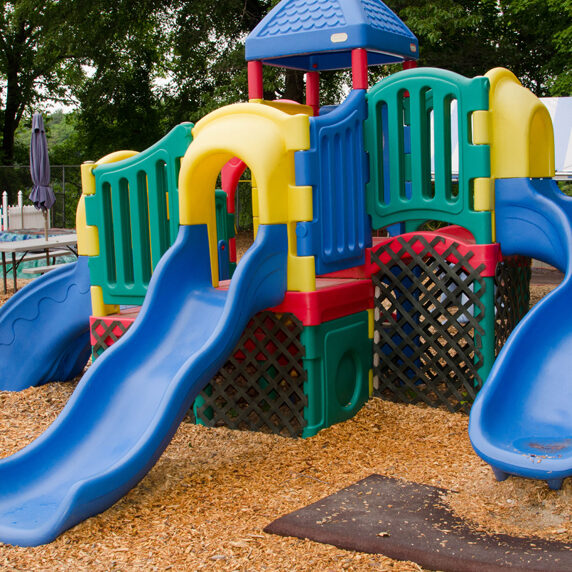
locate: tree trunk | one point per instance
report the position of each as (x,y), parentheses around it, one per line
(295,87)
(12,112)
(10,118)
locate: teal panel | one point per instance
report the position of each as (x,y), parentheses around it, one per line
(224,219)
(409,122)
(338,361)
(136,211)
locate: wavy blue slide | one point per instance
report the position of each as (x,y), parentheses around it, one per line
(129,404)
(44,329)
(521,421)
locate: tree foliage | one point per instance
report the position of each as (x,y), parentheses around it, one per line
(32,62)
(136,68)
(529,37)
(49,47)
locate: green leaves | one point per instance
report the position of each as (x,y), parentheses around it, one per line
(530,37)
(136,68)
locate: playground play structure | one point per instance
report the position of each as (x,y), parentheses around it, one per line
(317,315)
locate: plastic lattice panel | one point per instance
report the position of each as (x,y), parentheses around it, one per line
(261,386)
(512,296)
(105,334)
(427,333)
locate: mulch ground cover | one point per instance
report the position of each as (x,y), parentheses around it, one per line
(206,503)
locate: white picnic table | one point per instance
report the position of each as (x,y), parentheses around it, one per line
(25,247)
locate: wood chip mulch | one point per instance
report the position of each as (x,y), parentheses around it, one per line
(205,504)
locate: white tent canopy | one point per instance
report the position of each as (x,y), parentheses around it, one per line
(560,109)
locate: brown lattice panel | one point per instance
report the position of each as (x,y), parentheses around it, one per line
(105,332)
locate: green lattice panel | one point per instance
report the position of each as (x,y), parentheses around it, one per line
(429,327)
(512,296)
(261,385)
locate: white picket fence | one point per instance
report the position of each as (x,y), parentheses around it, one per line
(16,217)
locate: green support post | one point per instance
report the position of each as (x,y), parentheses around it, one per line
(338,361)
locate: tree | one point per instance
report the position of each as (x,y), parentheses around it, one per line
(529,37)
(31,63)
(136,68)
(45,46)
(539,43)
(205,66)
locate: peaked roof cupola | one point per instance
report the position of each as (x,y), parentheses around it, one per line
(317,35)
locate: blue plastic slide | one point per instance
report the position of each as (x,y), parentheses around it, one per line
(44,329)
(129,404)
(521,421)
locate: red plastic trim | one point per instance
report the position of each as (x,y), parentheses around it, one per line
(230,176)
(332,299)
(313,91)
(487,254)
(125,317)
(255,84)
(232,249)
(359,69)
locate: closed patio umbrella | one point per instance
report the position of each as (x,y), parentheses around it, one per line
(42,194)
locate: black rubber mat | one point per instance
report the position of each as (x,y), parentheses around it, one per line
(408,521)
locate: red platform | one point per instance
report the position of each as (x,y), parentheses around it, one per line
(333,298)
(487,254)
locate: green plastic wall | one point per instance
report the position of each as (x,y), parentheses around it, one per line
(399,142)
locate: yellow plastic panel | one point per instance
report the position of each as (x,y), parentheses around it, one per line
(301,269)
(371,382)
(481,131)
(370,323)
(290,107)
(264,138)
(522,137)
(255,217)
(301,206)
(99,307)
(483,194)
(87,236)
(87,178)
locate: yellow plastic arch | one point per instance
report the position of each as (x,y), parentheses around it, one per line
(266,139)
(522,137)
(116,156)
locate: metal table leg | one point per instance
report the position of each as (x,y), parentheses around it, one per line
(14,271)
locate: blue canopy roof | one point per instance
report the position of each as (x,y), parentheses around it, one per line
(316,35)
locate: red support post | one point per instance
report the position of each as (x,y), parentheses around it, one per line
(409,64)
(255,85)
(313,91)
(359,69)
